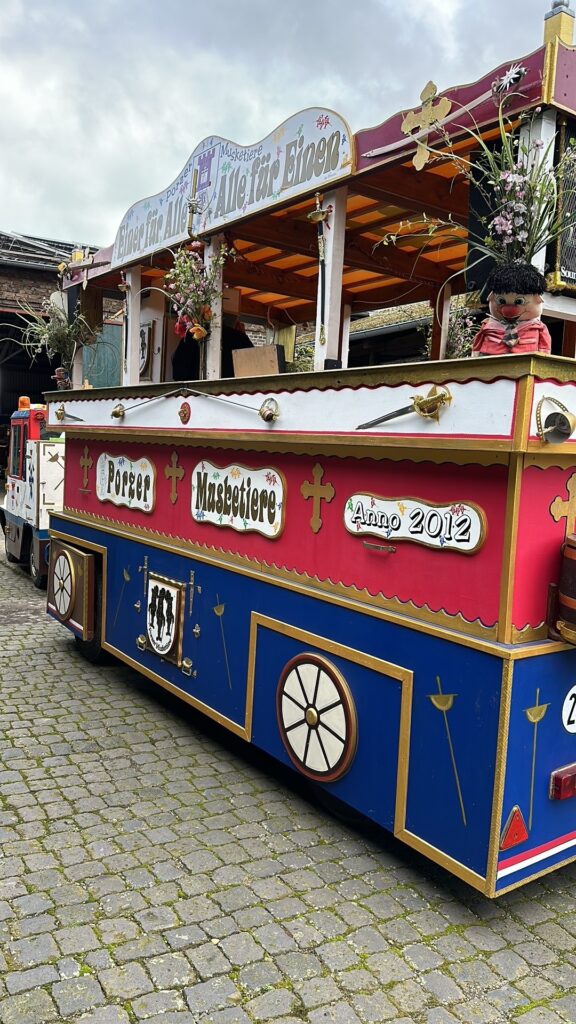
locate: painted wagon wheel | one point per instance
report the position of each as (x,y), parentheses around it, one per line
(64,585)
(316,717)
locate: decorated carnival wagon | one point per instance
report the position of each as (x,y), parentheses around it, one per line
(356,570)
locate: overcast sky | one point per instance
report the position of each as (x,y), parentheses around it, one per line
(101,103)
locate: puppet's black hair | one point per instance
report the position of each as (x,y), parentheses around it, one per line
(521,278)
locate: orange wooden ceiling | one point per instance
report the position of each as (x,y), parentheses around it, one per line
(276,269)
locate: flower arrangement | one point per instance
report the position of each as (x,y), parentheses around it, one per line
(520,187)
(193,288)
(462,329)
(52,331)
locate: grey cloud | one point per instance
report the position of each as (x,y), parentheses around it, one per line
(101,105)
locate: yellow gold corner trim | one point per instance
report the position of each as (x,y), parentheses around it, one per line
(556,459)
(550,65)
(472,878)
(509,556)
(302,442)
(524,402)
(402,675)
(529,634)
(499,775)
(312,446)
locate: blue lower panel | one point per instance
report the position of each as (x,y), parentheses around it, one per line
(539,743)
(449,762)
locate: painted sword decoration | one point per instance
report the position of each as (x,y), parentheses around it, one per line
(428,406)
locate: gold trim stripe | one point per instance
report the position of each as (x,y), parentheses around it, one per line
(438,857)
(295,584)
(499,775)
(505,626)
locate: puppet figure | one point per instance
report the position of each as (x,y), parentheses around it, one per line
(515,302)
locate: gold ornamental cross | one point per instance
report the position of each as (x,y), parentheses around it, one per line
(86,463)
(318,492)
(566,509)
(173,472)
(428,115)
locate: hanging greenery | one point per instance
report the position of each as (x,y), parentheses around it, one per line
(52,332)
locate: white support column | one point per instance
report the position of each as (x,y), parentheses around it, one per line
(346,335)
(440,322)
(541,129)
(131,360)
(77,372)
(334,238)
(214,343)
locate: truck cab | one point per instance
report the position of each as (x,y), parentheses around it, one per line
(34,480)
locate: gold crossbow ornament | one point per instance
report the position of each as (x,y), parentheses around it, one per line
(428,406)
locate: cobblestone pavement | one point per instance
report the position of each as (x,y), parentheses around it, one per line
(150,871)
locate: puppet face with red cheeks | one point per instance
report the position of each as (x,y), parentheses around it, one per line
(512,306)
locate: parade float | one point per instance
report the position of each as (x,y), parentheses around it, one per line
(363,572)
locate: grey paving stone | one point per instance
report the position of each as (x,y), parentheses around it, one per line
(278,1002)
(208,960)
(34,1007)
(173,970)
(77,995)
(274,938)
(210,995)
(76,940)
(157,1003)
(317,991)
(30,952)
(443,988)
(21,981)
(125,982)
(130,840)
(241,949)
(374,1007)
(108,1014)
(257,976)
(339,1013)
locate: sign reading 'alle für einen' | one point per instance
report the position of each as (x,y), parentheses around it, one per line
(239,498)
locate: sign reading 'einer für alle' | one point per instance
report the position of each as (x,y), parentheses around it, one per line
(239,498)
(311,150)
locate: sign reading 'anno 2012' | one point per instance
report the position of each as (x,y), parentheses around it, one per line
(458,526)
(247,500)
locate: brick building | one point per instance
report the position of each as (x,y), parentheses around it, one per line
(28,276)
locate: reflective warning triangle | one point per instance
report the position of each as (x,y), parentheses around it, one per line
(514,831)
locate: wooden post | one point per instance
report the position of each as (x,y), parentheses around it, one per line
(326,345)
(345,347)
(569,339)
(131,359)
(540,129)
(214,344)
(440,322)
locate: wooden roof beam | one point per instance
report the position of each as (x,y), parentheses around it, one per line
(426,192)
(301,237)
(392,261)
(265,279)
